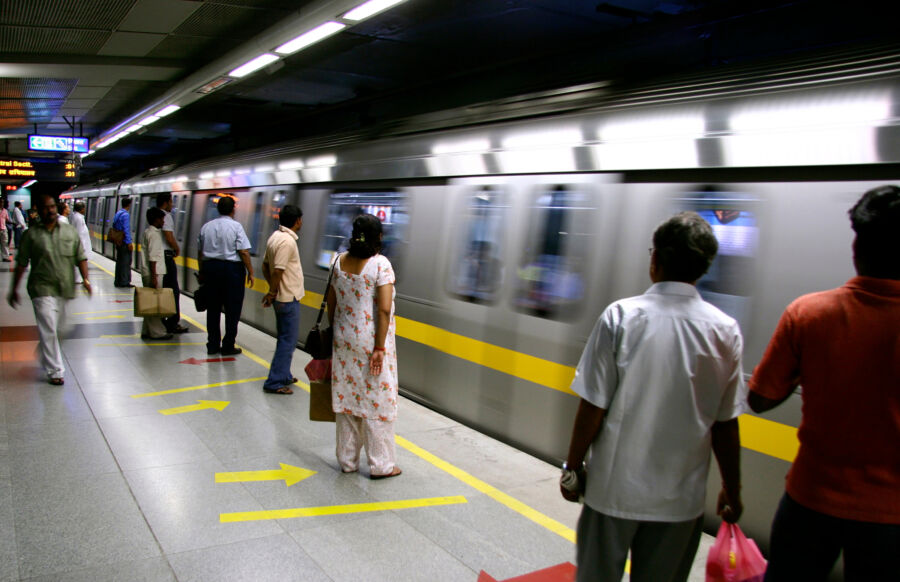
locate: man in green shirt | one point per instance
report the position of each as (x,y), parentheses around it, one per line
(53,249)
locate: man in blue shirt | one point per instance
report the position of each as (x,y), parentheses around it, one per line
(224,258)
(122,221)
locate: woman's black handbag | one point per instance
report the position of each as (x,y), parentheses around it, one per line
(318,340)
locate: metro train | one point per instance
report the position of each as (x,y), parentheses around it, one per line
(512,226)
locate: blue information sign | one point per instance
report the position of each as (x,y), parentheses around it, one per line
(57,143)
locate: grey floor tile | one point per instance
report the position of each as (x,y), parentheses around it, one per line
(105,368)
(486,535)
(380,547)
(64,451)
(544,496)
(9,565)
(413,418)
(78,523)
(40,403)
(271,558)
(153,440)
(114,400)
(149,570)
(183,503)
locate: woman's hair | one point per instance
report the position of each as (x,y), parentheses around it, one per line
(365,241)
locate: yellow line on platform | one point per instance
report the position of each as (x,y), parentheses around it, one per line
(201,387)
(131,335)
(489,490)
(339,509)
(102,268)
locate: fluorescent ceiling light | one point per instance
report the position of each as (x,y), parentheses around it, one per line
(148,120)
(223,173)
(369,8)
(321,161)
(544,138)
(207,175)
(307,38)
(264,168)
(655,126)
(838,110)
(288,165)
(254,65)
(167,110)
(134,127)
(460,147)
(28,183)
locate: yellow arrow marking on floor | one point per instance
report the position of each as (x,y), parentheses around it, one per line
(339,509)
(201,387)
(219,405)
(289,473)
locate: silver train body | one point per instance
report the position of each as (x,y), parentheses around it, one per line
(512,226)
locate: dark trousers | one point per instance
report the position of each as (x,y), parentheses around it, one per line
(17,235)
(170,280)
(225,281)
(123,266)
(805,545)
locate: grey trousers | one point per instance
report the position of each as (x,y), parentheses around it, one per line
(660,551)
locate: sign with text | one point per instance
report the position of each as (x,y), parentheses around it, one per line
(45,170)
(57,143)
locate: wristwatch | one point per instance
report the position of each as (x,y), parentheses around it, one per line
(572,479)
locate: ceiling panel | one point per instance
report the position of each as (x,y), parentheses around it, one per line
(50,41)
(88,14)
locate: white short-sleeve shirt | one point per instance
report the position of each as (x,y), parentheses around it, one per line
(665,366)
(168,226)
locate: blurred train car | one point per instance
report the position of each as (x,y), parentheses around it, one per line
(511,226)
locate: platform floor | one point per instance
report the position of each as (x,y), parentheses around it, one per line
(110,477)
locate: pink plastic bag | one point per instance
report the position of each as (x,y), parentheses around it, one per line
(734,557)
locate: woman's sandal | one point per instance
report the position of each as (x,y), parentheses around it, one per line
(282,390)
(56,381)
(393,473)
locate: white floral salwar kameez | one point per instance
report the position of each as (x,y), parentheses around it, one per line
(365,405)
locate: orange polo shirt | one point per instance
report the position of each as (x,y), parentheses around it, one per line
(844,347)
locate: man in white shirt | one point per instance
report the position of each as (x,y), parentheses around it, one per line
(84,235)
(661,384)
(153,269)
(172,250)
(282,270)
(224,262)
(19,224)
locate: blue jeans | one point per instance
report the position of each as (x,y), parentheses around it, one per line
(805,544)
(287,323)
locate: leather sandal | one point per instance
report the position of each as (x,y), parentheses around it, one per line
(393,473)
(282,390)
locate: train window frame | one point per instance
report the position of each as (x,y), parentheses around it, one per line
(575,271)
(395,245)
(256,220)
(470,246)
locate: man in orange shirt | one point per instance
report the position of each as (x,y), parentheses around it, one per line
(843,347)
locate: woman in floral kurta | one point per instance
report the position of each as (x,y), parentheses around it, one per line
(364,362)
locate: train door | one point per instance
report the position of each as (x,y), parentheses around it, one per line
(180,201)
(109,212)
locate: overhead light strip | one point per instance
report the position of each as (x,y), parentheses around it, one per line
(306,39)
(370,8)
(253,65)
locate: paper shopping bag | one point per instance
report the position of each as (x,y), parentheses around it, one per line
(150,302)
(320,401)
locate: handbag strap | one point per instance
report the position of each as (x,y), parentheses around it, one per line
(325,295)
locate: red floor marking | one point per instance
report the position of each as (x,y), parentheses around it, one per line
(564,572)
(197,362)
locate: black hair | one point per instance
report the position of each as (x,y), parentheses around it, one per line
(154,214)
(876,221)
(162,198)
(60,206)
(79,206)
(225,205)
(126,202)
(365,241)
(685,247)
(289,215)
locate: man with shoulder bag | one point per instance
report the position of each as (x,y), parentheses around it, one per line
(122,222)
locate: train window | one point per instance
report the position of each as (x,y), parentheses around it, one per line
(212,208)
(275,206)
(344,207)
(477,274)
(733,217)
(256,226)
(550,280)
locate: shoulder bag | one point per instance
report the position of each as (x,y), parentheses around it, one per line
(115,236)
(318,340)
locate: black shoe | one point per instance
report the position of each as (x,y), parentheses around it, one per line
(162,337)
(212,352)
(180,329)
(231,352)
